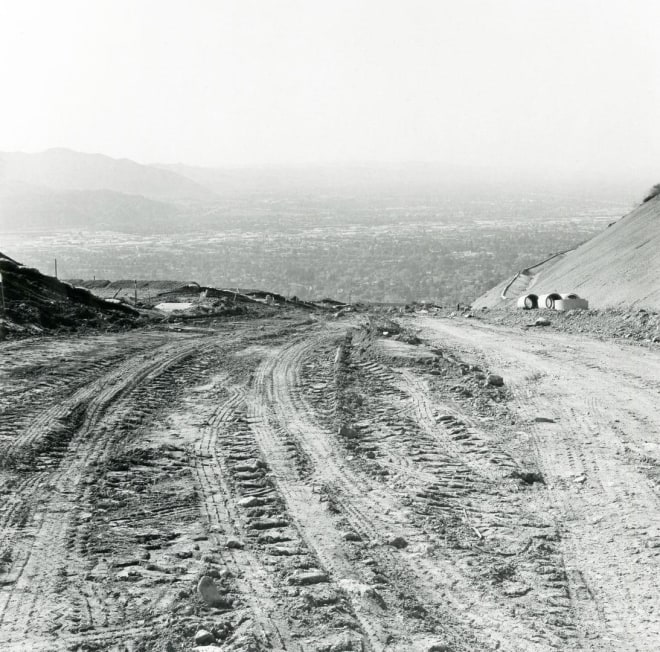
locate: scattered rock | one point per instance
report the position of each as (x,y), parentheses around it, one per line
(284,551)
(542,321)
(348,431)
(516,590)
(543,420)
(495,380)
(204,637)
(352,536)
(343,642)
(250,466)
(208,592)
(397,542)
(528,477)
(320,597)
(308,577)
(581,479)
(250,501)
(374,596)
(267,523)
(234,543)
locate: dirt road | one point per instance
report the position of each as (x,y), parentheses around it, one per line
(600,459)
(340,489)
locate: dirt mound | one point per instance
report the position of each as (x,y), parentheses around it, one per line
(34,302)
(617,268)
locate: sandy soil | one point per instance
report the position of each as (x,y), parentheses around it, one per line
(336,488)
(600,460)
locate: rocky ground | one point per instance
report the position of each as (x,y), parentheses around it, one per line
(637,325)
(302,482)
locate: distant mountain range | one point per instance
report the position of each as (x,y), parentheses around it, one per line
(65,170)
(60,188)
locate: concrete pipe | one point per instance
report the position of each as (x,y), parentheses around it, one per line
(550,300)
(528,302)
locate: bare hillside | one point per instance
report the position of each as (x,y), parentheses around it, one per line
(618,267)
(35,303)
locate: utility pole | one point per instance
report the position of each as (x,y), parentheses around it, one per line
(135,287)
(2,290)
(56,268)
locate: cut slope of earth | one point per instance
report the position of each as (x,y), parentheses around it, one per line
(34,302)
(618,267)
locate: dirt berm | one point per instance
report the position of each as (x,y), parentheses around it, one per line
(34,302)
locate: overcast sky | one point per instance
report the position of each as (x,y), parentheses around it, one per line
(522,84)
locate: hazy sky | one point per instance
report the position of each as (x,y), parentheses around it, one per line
(523,84)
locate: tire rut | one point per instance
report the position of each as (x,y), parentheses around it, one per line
(41,549)
(365,506)
(606,509)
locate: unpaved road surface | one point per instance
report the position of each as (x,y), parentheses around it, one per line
(600,459)
(338,487)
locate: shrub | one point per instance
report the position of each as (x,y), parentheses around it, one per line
(654,192)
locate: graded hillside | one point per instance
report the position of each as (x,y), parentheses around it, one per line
(63,170)
(33,303)
(619,267)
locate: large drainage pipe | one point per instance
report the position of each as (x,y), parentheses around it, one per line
(528,302)
(548,300)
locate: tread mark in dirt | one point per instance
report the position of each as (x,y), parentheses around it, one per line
(222,517)
(605,507)
(34,576)
(366,510)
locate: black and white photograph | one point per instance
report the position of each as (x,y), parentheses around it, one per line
(329,325)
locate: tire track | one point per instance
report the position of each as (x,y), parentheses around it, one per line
(252,579)
(606,510)
(370,510)
(43,553)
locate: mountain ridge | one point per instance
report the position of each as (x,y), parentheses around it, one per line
(62,169)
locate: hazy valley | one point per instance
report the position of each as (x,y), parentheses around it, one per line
(384,235)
